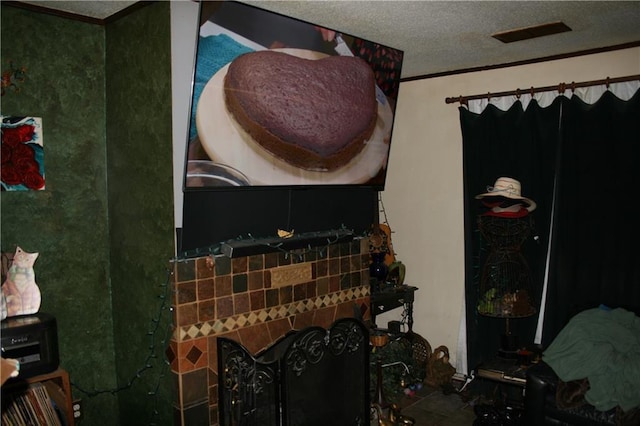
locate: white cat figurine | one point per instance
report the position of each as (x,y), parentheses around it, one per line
(20,291)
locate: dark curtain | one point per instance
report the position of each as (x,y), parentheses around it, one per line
(596,243)
(591,153)
(522,145)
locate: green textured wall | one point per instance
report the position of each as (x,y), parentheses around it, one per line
(140,158)
(104,224)
(67,223)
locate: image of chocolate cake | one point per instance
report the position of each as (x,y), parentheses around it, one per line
(313,114)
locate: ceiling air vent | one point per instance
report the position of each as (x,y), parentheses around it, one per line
(531,32)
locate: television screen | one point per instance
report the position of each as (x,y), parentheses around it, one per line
(279,102)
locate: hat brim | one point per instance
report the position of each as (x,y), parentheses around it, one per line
(501,197)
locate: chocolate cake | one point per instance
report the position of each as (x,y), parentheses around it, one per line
(313,114)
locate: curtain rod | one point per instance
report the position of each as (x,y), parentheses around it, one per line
(561,88)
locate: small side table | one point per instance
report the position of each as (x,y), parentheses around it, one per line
(386,300)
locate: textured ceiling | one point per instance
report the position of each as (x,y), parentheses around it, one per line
(448,36)
(90,8)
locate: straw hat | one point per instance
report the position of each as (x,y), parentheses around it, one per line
(508,188)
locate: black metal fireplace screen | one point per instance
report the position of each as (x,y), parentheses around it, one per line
(307,378)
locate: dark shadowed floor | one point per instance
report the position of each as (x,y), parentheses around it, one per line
(431,407)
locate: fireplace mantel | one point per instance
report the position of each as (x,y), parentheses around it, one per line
(255,295)
(309,240)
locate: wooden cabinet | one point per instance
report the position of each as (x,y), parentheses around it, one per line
(58,387)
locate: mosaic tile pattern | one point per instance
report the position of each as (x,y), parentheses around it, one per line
(224,325)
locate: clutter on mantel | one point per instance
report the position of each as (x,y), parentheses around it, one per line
(287,242)
(247,247)
(385,265)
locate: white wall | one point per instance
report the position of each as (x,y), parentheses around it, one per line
(184,35)
(423,194)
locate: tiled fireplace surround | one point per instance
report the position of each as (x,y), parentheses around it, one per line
(255,300)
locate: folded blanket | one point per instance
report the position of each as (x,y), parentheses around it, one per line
(214,52)
(602,346)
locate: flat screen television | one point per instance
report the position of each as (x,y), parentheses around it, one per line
(222,155)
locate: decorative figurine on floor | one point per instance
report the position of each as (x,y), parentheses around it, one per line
(394,418)
(382,420)
(399,419)
(20,291)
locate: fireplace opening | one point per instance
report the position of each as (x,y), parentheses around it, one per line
(310,377)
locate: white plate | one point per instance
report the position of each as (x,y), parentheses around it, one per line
(226,142)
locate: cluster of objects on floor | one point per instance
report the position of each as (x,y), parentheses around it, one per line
(392,417)
(401,365)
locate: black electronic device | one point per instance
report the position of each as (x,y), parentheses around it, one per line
(33,341)
(222,155)
(395,327)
